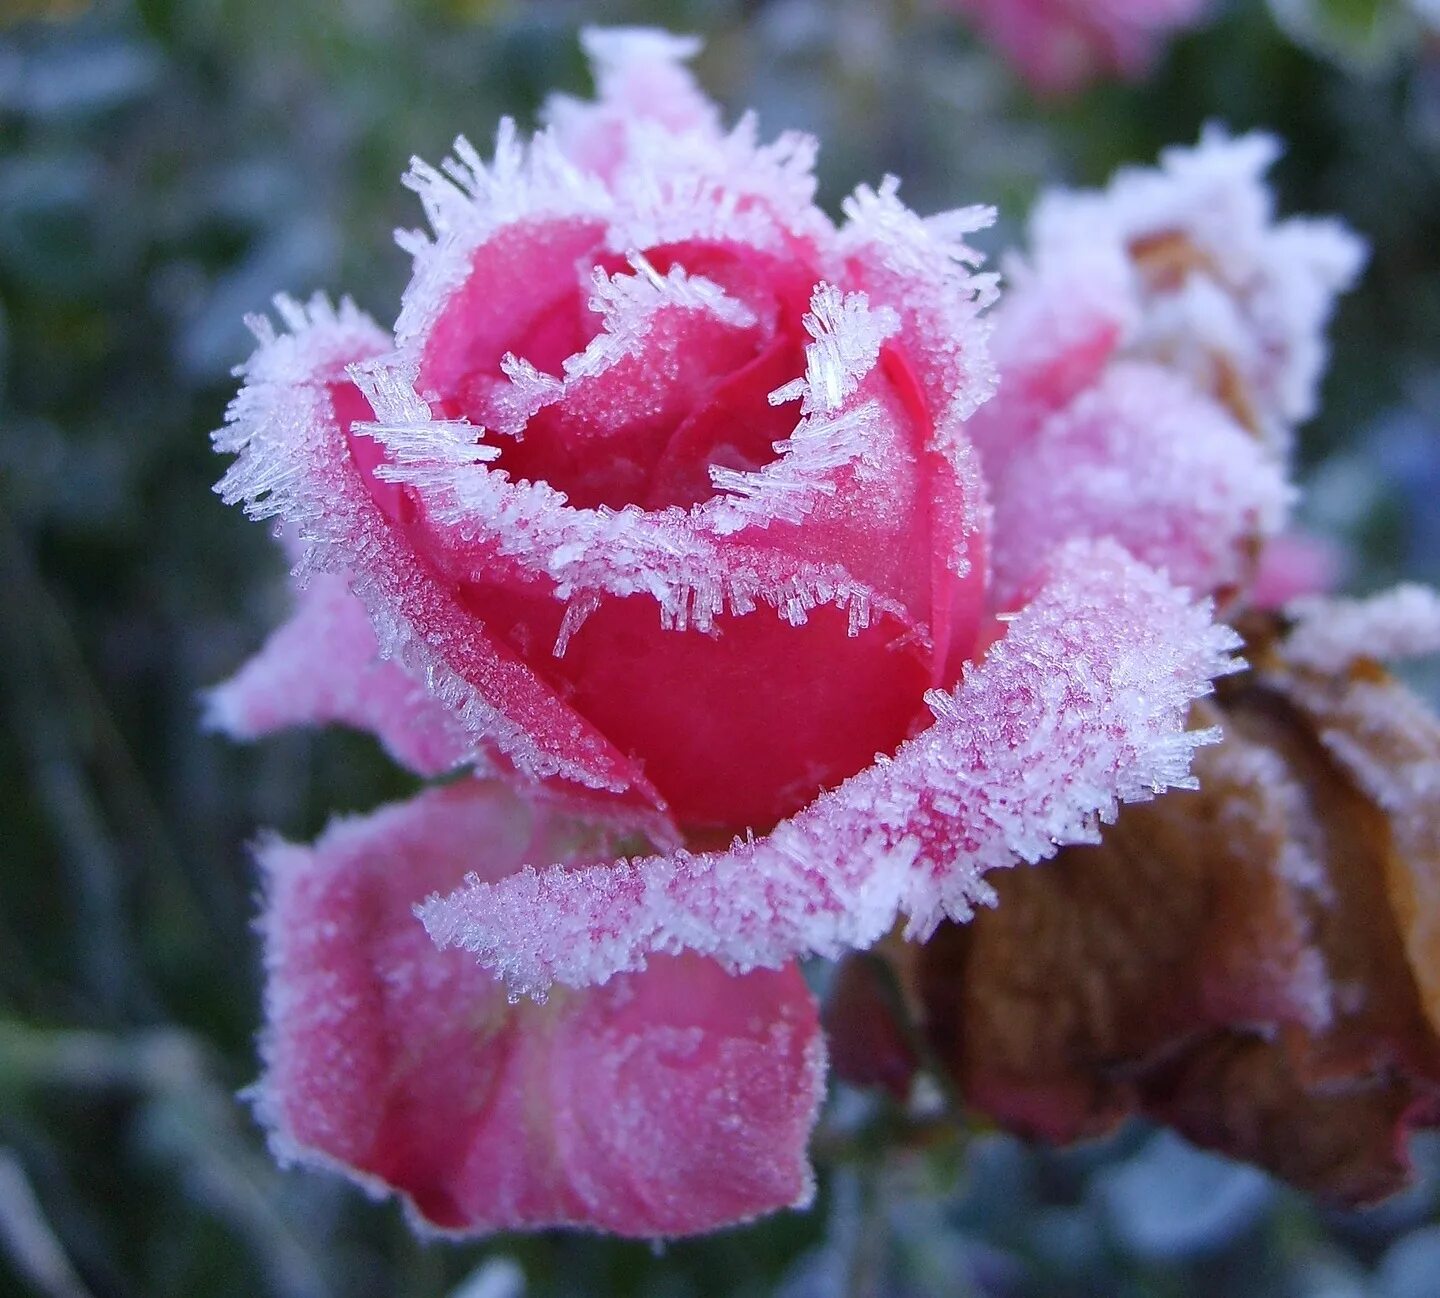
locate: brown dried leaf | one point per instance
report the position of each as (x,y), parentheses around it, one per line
(1388,743)
(1228,960)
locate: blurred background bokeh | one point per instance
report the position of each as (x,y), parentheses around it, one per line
(165,167)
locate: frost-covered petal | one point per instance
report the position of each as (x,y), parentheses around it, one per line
(1330,635)
(1146,460)
(291,430)
(669,1102)
(925,270)
(854,613)
(1252,961)
(323,666)
(1225,292)
(640,75)
(1054,335)
(1080,706)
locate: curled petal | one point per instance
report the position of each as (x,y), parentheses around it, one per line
(323,666)
(1254,962)
(290,428)
(669,1102)
(1053,338)
(1223,290)
(640,75)
(1144,459)
(1080,706)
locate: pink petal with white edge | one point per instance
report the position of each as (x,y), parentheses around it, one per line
(293,460)
(640,75)
(667,1103)
(1146,460)
(323,666)
(1082,705)
(1054,335)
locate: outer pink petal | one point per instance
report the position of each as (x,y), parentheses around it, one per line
(324,666)
(1145,459)
(666,1103)
(1054,336)
(1296,564)
(293,460)
(640,75)
(1081,705)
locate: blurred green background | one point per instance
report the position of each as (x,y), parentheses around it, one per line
(165,167)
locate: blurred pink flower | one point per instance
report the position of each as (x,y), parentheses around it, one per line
(1061,45)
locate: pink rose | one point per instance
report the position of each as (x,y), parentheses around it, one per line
(658,511)
(1060,45)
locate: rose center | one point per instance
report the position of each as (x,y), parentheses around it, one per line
(646,396)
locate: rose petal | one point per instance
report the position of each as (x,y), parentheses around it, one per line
(639,76)
(1082,704)
(1331,635)
(1228,961)
(686,592)
(1225,292)
(1388,743)
(1144,459)
(1293,565)
(323,666)
(294,459)
(1054,334)
(666,1103)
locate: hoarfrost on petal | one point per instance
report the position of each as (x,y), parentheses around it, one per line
(1081,706)
(293,461)
(1146,460)
(670,1102)
(323,666)
(1330,634)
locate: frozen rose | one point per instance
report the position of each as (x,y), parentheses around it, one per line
(659,507)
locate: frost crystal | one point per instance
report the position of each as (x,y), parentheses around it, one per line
(1331,634)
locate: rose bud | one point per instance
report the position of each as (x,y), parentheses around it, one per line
(658,509)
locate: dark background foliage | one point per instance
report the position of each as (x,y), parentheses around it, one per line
(165,166)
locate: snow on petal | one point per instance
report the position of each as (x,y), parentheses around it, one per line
(1331,634)
(669,1102)
(1081,706)
(1054,334)
(729,188)
(323,666)
(1146,460)
(467,201)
